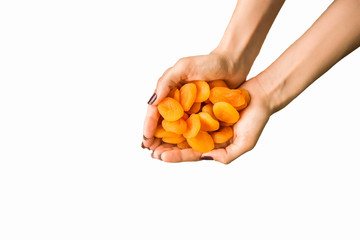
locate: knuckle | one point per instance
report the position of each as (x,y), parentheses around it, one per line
(249,146)
(182,63)
(225,160)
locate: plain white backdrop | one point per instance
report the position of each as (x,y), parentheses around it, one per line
(75,77)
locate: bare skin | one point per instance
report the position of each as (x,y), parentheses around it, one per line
(328,39)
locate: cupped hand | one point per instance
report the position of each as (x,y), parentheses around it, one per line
(246,132)
(210,67)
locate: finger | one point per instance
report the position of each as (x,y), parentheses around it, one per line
(155,144)
(160,149)
(178,155)
(228,154)
(171,79)
(150,124)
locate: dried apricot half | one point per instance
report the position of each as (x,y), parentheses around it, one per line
(225,112)
(207,122)
(178,126)
(223,135)
(202,91)
(170,109)
(193,126)
(187,95)
(202,142)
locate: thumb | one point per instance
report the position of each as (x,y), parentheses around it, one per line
(169,80)
(230,153)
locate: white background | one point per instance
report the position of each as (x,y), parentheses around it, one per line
(75,77)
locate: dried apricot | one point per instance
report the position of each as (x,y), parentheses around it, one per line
(170,109)
(208,108)
(217,83)
(202,91)
(185,116)
(207,122)
(202,142)
(174,140)
(178,126)
(224,124)
(223,94)
(246,95)
(175,94)
(195,108)
(160,132)
(183,145)
(225,112)
(223,135)
(187,95)
(193,126)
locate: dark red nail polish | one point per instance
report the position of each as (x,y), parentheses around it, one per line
(152,99)
(160,157)
(206,158)
(142,145)
(145,138)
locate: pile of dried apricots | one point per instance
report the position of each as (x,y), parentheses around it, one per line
(200,114)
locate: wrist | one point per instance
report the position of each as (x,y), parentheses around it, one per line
(281,84)
(239,64)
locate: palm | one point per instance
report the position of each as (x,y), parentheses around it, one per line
(246,133)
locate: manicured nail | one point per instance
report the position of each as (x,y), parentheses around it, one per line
(152,154)
(152,99)
(160,157)
(145,138)
(206,158)
(142,145)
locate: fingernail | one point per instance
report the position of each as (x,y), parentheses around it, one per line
(142,145)
(152,154)
(145,138)
(206,158)
(160,157)
(152,99)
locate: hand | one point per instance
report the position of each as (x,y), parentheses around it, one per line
(246,132)
(207,67)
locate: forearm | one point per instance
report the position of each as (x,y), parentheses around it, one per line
(334,35)
(247,29)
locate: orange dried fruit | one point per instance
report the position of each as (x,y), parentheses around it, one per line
(160,132)
(170,109)
(223,135)
(185,116)
(183,145)
(202,142)
(225,112)
(202,91)
(187,95)
(223,94)
(207,122)
(195,108)
(224,124)
(178,126)
(175,94)
(208,108)
(217,83)
(173,140)
(246,95)
(193,126)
